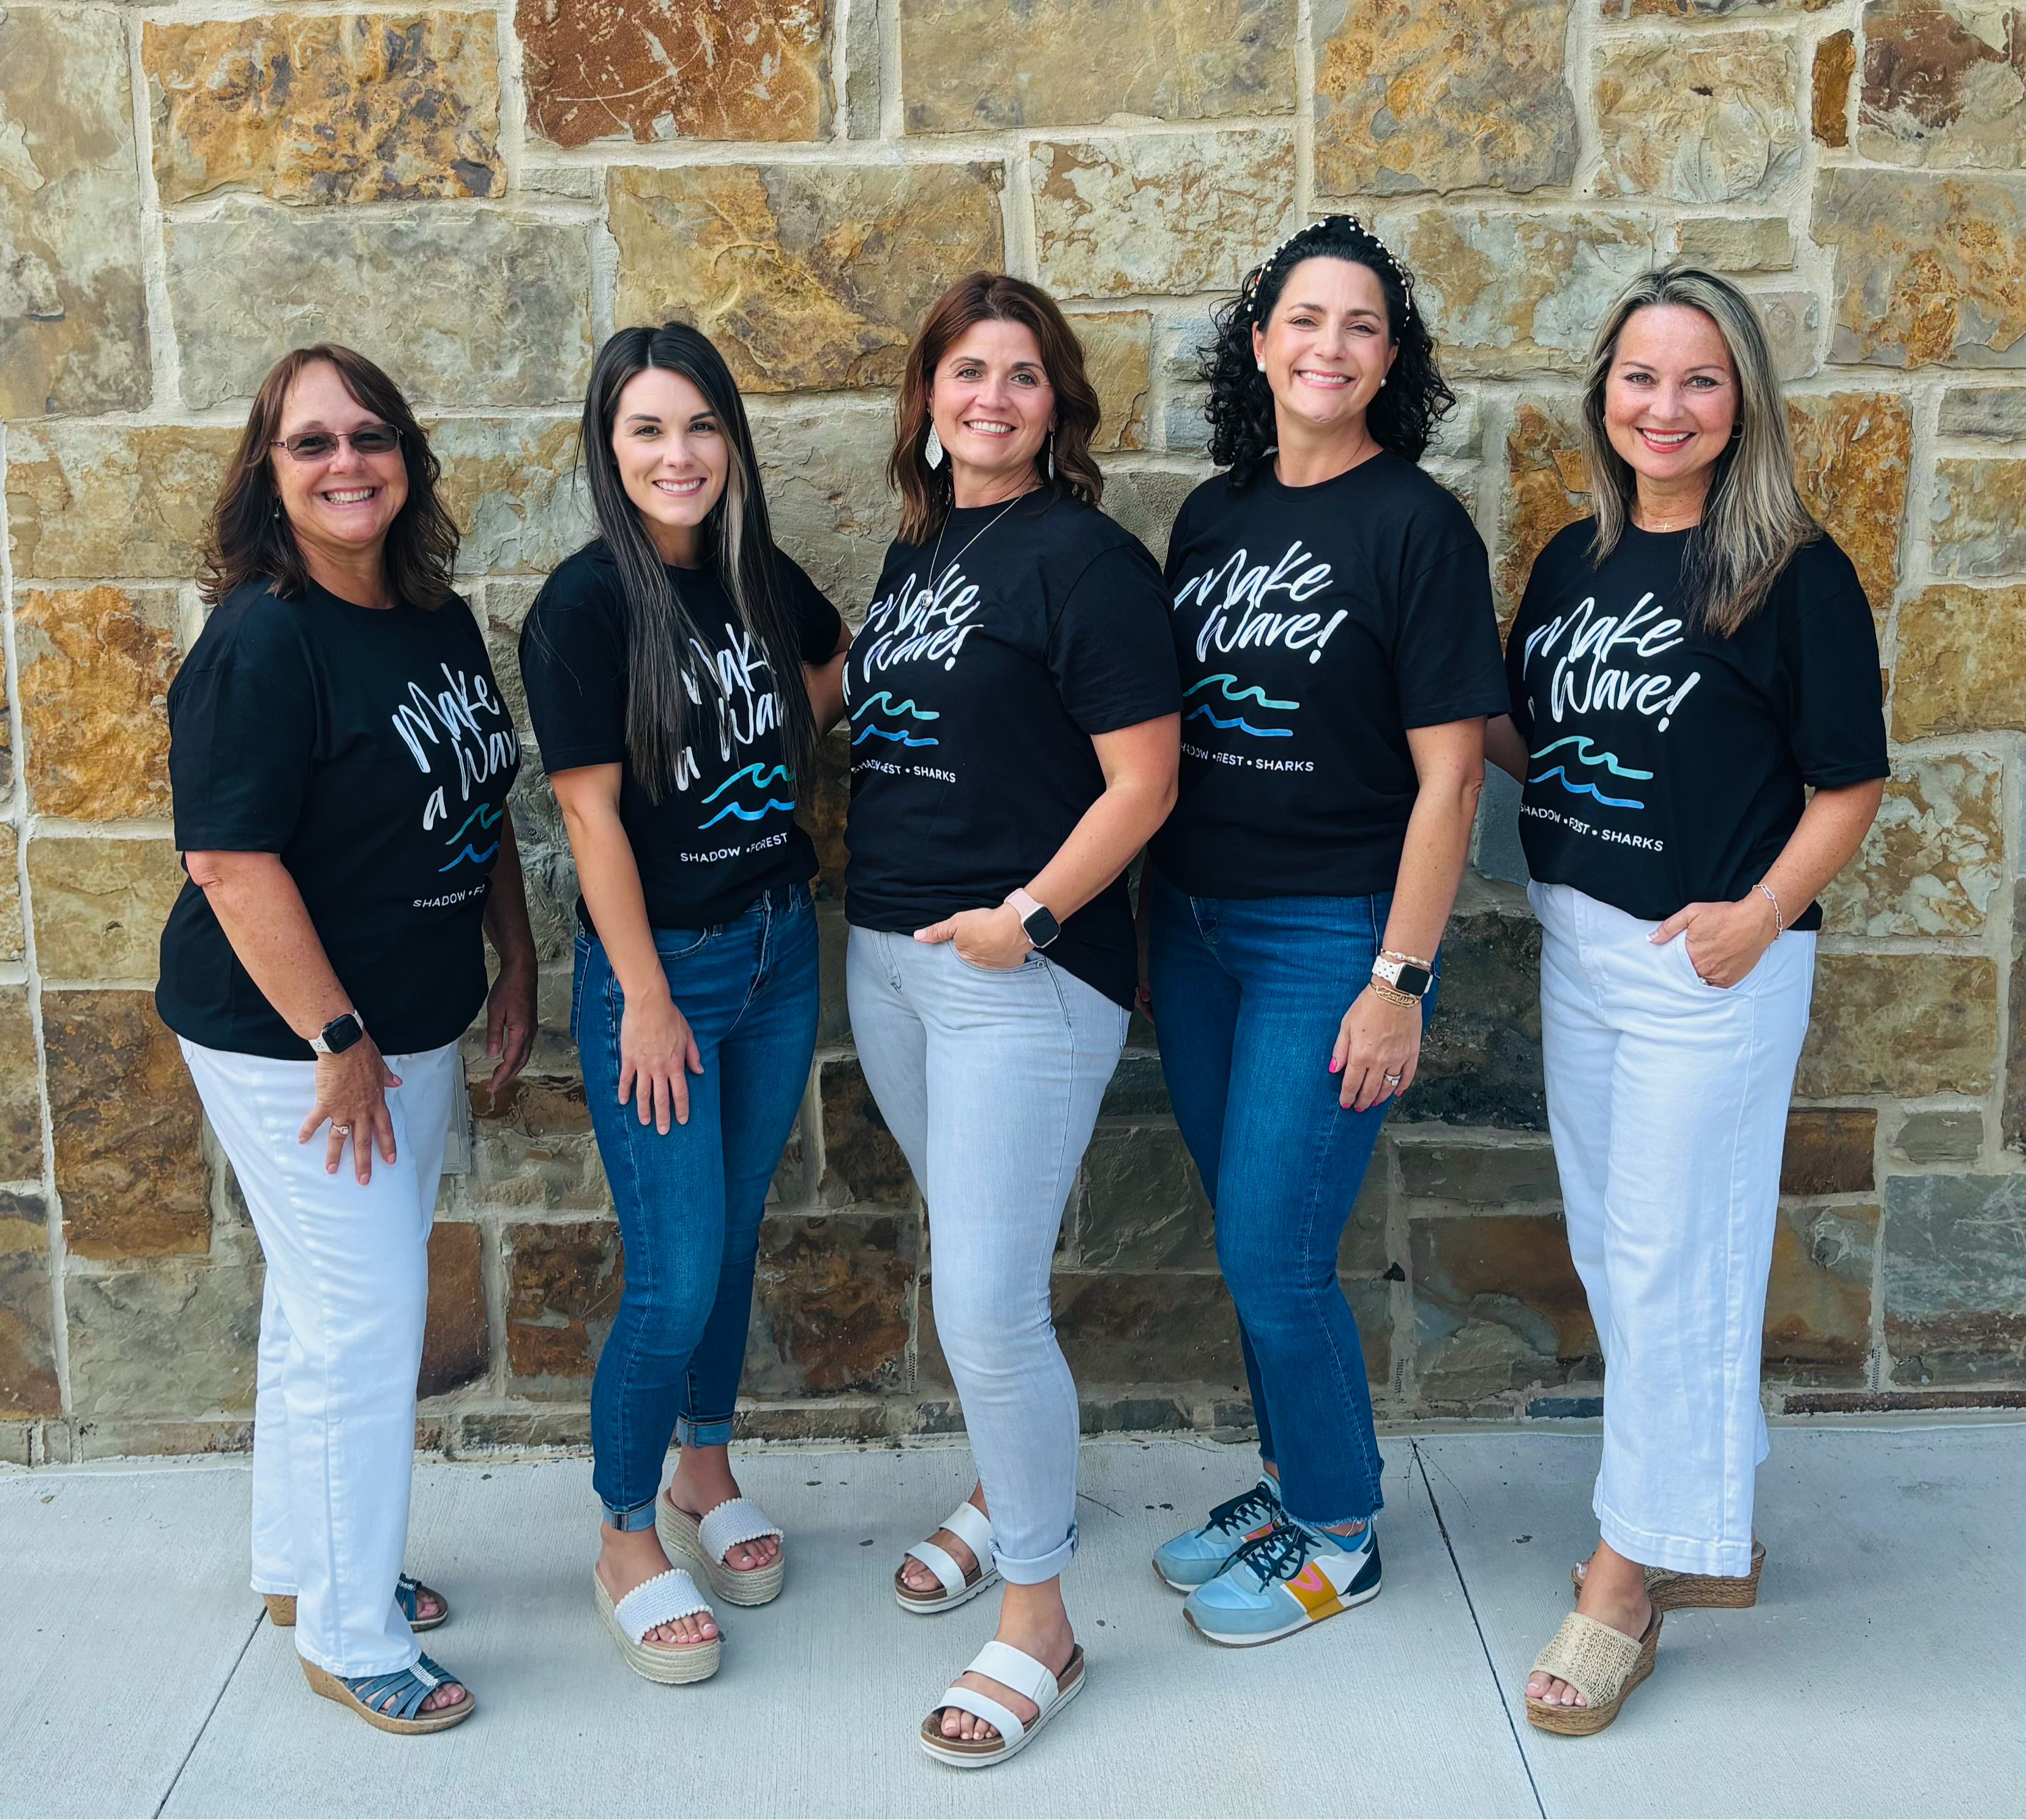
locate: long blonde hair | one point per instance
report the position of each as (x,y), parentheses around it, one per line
(1753,519)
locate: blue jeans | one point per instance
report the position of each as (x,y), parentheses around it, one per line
(1248,994)
(689,1202)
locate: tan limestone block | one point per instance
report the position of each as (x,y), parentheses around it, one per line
(1167,214)
(20,1103)
(1547,486)
(96,664)
(1904,1024)
(172,1341)
(1703,8)
(1927,269)
(1994,412)
(1117,358)
(1944,84)
(1733,243)
(29,1386)
(1829,89)
(1934,857)
(1852,454)
(511,485)
(808,277)
(969,66)
(89,500)
(1441,95)
(1145,500)
(825,471)
(1792,321)
(647,70)
(1968,668)
(463,306)
(375,107)
(1515,294)
(1977,519)
(100,905)
(11,933)
(1707,119)
(129,1164)
(73,308)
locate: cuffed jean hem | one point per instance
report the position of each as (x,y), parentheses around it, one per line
(638,1517)
(1724,1560)
(1328,1522)
(715,1433)
(1039,1571)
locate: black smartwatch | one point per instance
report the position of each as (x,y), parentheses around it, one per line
(339,1035)
(1035,918)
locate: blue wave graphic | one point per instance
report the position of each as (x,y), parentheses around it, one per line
(899,737)
(762,775)
(886,702)
(477,858)
(1252,692)
(1202,709)
(1574,789)
(1608,760)
(484,815)
(747,815)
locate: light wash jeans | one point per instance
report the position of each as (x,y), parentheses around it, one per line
(991,1080)
(1667,1099)
(341,1342)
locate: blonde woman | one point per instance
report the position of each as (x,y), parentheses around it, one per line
(1686,666)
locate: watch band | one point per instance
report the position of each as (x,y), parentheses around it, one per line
(1403,975)
(1036,917)
(325,1043)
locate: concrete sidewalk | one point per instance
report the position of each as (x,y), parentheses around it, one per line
(1884,1671)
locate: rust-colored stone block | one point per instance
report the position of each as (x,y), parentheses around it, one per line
(862,1161)
(1454,94)
(1158,1328)
(129,1164)
(1934,858)
(1481,1055)
(21,1099)
(1818,1327)
(1971,672)
(808,277)
(100,905)
(834,1305)
(1955,1277)
(1143,1206)
(1828,1150)
(1852,454)
(87,500)
(28,1384)
(1829,89)
(312,108)
(1977,519)
(1118,356)
(1904,1024)
(456,1346)
(563,1283)
(1547,486)
(1944,84)
(1498,1307)
(1706,119)
(647,70)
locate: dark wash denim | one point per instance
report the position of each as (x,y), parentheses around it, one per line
(689,1202)
(1248,994)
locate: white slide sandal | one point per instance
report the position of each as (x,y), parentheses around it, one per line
(1010,1667)
(707,1542)
(661,1600)
(972,1527)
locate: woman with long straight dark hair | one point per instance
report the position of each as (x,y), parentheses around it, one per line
(680,671)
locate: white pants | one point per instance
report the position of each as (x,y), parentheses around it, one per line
(341,1342)
(1667,1099)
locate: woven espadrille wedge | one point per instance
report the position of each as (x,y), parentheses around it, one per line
(1670,1591)
(1601,1664)
(661,1600)
(709,1539)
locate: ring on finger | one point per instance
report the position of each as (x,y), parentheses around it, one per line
(1390,1080)
(342,1130)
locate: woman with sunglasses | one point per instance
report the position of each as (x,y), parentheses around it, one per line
(341,762)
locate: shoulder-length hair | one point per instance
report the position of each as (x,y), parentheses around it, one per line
(984,297)
(1403,416)
(669,672)
(249,536)
(1753,519)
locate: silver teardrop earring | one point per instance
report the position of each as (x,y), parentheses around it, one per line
(932,450)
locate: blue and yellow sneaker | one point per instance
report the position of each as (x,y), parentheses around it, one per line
(1284,1581)
(1194,1556)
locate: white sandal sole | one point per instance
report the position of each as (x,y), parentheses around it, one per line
(677,1530)
(927,1607)
(944,1752)
(665,1664)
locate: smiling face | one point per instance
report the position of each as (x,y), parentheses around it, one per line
(1327,348)
(341,504)
(992,405)
(1670,401)
(673,456)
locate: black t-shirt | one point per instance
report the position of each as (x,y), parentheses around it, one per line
(1667,767)
(1314,626)
(368,748)
(973,695)
(728,833)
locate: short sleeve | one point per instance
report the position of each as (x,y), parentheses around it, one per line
(242,732)
(1837,724)
(1110,649)
(574,669)
(1446,662)
(817,623)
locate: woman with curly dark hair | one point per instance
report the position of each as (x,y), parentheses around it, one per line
(1333,623)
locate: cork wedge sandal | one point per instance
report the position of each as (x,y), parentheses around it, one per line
(393,1703)
(409,1593)
(709,1539)
(1601,1664)
(1670,1591)
(974,1529)
(660,1600)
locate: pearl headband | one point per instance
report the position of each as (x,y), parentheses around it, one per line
(1248,289)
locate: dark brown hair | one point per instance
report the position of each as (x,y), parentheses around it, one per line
(249,536)
(987,296)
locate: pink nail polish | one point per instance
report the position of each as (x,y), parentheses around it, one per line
(1335,1066)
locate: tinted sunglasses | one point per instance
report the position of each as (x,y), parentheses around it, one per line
(317,445)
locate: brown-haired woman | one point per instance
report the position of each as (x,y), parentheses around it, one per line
(1014,721)
(341,762)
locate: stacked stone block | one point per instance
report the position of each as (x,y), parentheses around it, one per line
(476,194)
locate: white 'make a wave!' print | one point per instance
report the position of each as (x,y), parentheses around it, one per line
(1238,595)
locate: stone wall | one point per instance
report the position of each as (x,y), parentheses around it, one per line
(475,194)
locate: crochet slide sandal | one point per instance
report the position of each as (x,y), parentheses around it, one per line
(1601,1664)
(1010,1667)
(972,1527)
(394,1702)
(1670,1591)
(661,1600)
(707,1542)
(409,1593)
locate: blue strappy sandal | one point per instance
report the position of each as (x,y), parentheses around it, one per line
(408,1592)
(394,1702)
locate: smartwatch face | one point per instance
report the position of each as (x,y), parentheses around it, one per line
(341,1033)
(1414,980)
(1041,927)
